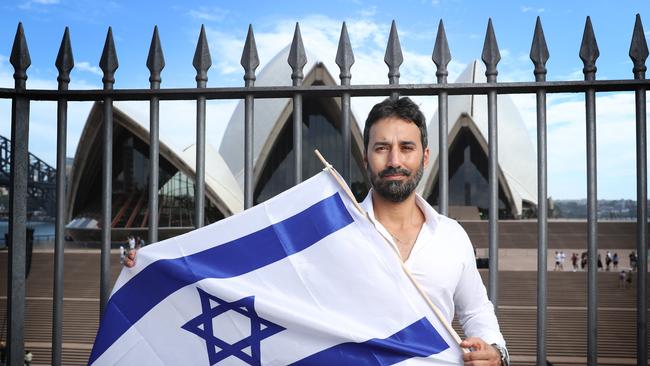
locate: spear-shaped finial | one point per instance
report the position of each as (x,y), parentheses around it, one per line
(297,58)
(393,57)
(64,61)
(589,51)
(441,55)
(249,59)
(344,56)
(491,55)
(539,52)
(20,57)
(202,60)
(155,59)
(108,62)
(638,49)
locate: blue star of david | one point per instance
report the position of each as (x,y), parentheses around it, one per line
(219,349)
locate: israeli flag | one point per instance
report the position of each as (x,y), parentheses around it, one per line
(301,279)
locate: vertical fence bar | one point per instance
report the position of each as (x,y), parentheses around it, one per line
(155,64)
(539,55)
(108,63)
(64,63)
(642,227)
(17,203)
(345,59)
(441,57)
(250,61)
(297,60)
(393,58)
(491,57)
(202,62)
(639,54)
(589,53)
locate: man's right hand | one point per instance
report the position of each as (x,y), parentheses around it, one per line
(129,260)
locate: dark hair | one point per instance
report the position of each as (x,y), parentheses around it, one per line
(402,108)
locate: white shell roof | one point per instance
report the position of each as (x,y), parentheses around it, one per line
(270,114)
(517,161)
(221,186)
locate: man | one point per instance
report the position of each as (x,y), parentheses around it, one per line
(395,140)
(433,247)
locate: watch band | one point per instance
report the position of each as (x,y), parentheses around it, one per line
(503,352)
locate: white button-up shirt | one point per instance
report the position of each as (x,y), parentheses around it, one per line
(442,261)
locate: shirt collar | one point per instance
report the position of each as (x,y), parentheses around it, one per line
(431,217)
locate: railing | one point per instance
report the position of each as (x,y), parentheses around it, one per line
(21,98)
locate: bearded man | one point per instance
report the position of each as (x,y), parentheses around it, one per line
(435,249)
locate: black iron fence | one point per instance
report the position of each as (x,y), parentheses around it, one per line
(21,98)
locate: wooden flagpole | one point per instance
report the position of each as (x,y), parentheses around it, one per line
(424,295)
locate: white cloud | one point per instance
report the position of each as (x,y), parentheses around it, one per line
(86,66)
(368,12)
(526,9)
(566,140)
(28,5)
(212,13)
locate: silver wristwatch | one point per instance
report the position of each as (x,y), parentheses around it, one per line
(503,352)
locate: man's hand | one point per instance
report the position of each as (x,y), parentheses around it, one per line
(129,260)
(481,353)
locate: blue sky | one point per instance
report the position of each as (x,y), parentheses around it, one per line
(368,24)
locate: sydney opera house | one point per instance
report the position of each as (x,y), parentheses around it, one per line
(273,159)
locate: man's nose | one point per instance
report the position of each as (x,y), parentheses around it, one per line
(394,159)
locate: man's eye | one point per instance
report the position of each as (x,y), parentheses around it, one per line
(381,148)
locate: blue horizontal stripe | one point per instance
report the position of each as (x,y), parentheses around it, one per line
(419,339)
(248,253)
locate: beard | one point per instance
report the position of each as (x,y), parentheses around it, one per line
(395,190)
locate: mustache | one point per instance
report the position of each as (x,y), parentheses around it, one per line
(394,171)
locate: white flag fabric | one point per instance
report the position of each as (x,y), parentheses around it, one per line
(301,279)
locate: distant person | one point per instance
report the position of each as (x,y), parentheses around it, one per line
(131,242)
(137,242)
(29,356)
(633,260)
(574,261)
(141,243)
(558,258)
(628,279)
(562,259)
(608,260)
(621,279)
(583,260)
(600,262)
(615,261)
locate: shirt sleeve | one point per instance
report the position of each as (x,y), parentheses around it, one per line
(475,311)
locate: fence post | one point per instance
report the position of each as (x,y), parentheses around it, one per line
(64,64)
(108,63)
(17,202)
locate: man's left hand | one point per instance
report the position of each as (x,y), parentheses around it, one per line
(481,353)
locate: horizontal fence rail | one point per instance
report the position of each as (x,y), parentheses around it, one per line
(21,98)
(272,92)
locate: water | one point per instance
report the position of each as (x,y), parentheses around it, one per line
(43,232)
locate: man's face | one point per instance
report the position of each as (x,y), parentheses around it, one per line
(395,159)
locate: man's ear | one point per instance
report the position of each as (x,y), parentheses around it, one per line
(426,156)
